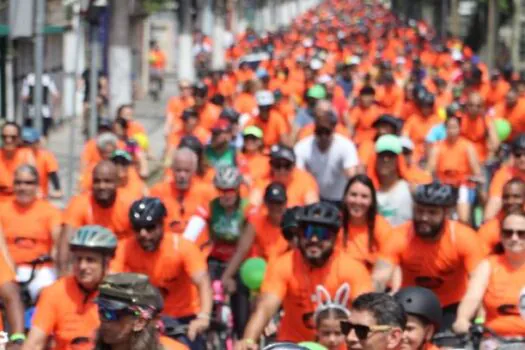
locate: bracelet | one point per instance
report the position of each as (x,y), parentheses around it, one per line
(204,315)
(249,341)
(479,320)
(17,336)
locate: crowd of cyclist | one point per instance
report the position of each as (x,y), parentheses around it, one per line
(354,152)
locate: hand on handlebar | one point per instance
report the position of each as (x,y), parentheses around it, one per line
(246,345)
(461,326)
(197,326)
(229,284)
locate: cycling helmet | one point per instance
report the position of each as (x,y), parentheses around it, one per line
(436,194)
(227,177)
(518,143)
(284,346)
(289,223)
(231,114)
(94,237)
(200,89)
(124,290)
(147,211)
(189,113)
(282,152)
(421,302)
(320,213)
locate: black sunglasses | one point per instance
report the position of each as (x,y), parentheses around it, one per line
(320,131)
(281,165)
(148,228)
(509,233)
(21,182)
(361,331)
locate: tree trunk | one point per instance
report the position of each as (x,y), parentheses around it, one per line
(120,84)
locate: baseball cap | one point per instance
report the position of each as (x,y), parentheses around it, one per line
(388,143)
(275,193)
(188,113)
(253,131)
(282,152)
(221,125)
(317,91)
(406,143)
(264,98)
(121,155)
(30,135)
(390,120)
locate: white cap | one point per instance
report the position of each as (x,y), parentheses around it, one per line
(407,143)
(323,79)
(316,64)
(457,55)
(264,98)
(355,60)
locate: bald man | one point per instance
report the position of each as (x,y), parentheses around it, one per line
(182,192)
(330,157)
(103,205)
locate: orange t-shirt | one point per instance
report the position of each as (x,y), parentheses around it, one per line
(46,163)
(357,244)
(268,237)
(273,129)
(501,177)
(135,127)
(67,313)
(8,167)
(453,166)
(199,132)
(417,128)
(514,115)
(170,268)
(208,115)
(363,119)
(294,282)
(390,99)
(301,185)
(175,107)
(442,266)
(490,234)
(181,205)
(255,166)
(28,230)
(84,210)
(502,297)
(245,103)
(476,130)
(170,344)
(91,156)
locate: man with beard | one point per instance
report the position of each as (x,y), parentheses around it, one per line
(292,278)
(174,265)
(103,205)
(432,251)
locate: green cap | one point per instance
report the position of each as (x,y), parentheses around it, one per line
(253,131)
(122,155)
(389,143)
(317,91)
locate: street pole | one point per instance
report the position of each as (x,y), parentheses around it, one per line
(492,33)
(185,66)
(218,55)
(40,21)
(454,9)
(93,82)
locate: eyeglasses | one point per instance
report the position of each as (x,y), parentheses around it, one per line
(21,182)
(321,131)
(149,228)
(281,165)
(227,191)
(361,331)
(9,137)
(114,315)
(320,232)
(509,233)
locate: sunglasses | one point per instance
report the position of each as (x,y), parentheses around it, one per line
(320,232)
(148,228)
(227,191)
(361,331)
(281,165)
(518,154)
(20,182)
(114,315)
(323,131)
(509,233)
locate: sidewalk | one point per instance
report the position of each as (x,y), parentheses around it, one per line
(148,112)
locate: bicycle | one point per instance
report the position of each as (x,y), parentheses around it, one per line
(220,335)
(476,340)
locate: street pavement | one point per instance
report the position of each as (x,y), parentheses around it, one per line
(147,111)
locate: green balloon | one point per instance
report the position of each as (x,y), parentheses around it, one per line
(252,273)
(310,345)
(503,129)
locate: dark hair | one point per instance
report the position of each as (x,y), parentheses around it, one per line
(367,90)
(122,122)
(18,128)
(121,107)
(498,249)
(372,211)
(28,168)
(383,307)
(514,181)
(451,117)
(330,312)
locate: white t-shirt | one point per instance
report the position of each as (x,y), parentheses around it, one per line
(396,204)
(329,167)
(47,83)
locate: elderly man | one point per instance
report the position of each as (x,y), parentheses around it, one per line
(182,193)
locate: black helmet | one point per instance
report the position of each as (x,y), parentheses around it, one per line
(200,89)
(320,213)
(147,211)
(191,142)
(518,144)
(289,222)
(231,114)
(436,194)
(284,346)
(421,302)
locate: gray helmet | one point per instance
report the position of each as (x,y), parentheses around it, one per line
(227,177)
(436,194)
(95,238)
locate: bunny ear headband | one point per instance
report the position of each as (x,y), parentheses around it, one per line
(324,301)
